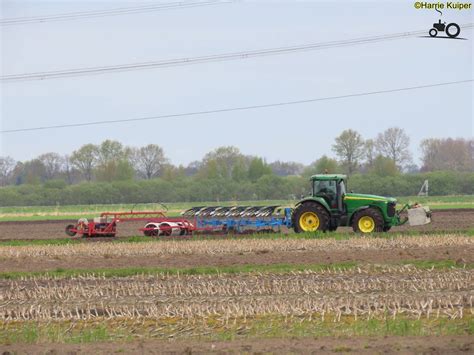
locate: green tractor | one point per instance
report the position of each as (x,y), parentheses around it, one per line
(330,207)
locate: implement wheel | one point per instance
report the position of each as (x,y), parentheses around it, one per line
(69,230)
(366,221)
(310,217)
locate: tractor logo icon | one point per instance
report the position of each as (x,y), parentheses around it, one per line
(452,29)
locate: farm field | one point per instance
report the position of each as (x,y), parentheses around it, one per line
(73,212)
(447,220)
(256,294)
(409,290)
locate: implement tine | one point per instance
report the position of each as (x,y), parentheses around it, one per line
(251,211)
(191,212)
(236,211)
(203,211)
(219,211)
(266,211)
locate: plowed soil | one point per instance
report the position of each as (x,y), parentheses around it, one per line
(326,345)
(443,221)
(460,254)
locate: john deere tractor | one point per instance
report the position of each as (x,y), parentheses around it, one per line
(330,207)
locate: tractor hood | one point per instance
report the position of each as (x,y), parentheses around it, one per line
(352,196)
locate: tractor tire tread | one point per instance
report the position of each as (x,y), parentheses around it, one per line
(310,207)
(371,212)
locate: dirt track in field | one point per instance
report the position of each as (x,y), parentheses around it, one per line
(326,345)
(443,220)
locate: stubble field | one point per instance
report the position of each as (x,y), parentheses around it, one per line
(410,290)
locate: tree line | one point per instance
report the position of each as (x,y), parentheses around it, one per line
(112,172)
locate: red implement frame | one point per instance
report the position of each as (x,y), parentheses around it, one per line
(107,224)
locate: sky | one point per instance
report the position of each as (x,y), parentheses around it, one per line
(301,133)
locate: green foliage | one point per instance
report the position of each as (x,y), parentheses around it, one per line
(270,326)
(441,183)
(257,169)
(179,188)
(320,166)
(55,184)
(349,147)
(383,166)
(326,165)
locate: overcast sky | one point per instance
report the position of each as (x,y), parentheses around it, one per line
(300,133)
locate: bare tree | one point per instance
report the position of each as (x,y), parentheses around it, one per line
(370,154)
(349,147)
(53,164)
(447,154)
(148,161)
(7,164)
(85,160)
(394,143)
(283,168)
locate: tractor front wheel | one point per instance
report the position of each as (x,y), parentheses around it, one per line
(310,217)
(369,220)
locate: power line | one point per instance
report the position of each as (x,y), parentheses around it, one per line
(241,108)
(207,59)
(110,12)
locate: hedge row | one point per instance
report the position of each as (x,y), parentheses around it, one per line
(193,189)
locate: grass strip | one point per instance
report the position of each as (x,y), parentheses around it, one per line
(39,213)
(201,270)
(236,269)
(214,329)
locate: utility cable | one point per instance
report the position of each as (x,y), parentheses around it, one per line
(109,12)
(207,59)
(241,108)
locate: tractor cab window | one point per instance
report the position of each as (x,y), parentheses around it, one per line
(342,188)
(327,190)
(340,197)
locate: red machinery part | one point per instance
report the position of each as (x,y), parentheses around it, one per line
(106,225)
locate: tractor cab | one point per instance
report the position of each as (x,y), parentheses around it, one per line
(332,188)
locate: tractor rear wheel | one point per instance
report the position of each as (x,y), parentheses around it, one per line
(369,220)
(453,30)
(310,217)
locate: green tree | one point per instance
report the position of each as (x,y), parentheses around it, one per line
(257,169)
(110,150)
(384,166)
(220,162)
(85,160)
(326,165)
(349,147)
(239,172)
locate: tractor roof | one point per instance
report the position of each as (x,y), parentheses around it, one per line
(326,177)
